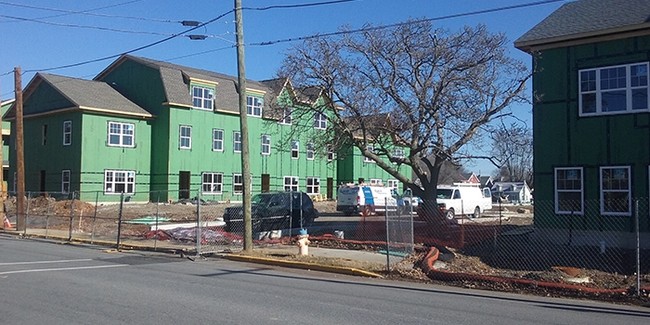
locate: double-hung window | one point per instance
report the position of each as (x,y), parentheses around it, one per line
(286,116)
(615,190)
(569,191)
(212,183)
(237,183)
(67,133)
(202,97)
(320,121)
(254,106)
(185,137)
(370,148)
(313,185)
(295,149)
(121,134)
(236,141)
(217,140)
(330,154)
(310,151)
(398,153)
(614,89)
(65,181)
(266,144)
(392,183)
(290,183)
(119,181)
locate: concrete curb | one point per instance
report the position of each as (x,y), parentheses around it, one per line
(301,265)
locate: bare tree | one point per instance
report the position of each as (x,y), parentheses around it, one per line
(512,145)
(433,90)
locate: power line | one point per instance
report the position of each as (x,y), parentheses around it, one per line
(313,4)
(365,29)
(92,9)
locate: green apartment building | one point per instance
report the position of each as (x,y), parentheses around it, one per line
(159,131)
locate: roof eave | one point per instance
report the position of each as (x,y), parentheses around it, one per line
(584,38)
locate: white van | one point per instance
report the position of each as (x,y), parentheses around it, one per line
(463,199)
(352,198)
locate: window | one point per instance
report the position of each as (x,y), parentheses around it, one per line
(614,89)
(320,121)
(313,185)
(569,190)
(266,144)
(119,181)
(375,181)
(392,183)
(237,183)
(211,183)
(295,149)
(615,191)
(254,106)
(67,133)
(290,183)
(330,154)
(398,153)
(310,151)
(185,137)
(236,141)
(202,97)
(286,116)
(368,159)
(217,140)
(65,181)
(121,134)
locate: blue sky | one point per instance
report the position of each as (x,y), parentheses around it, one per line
(38,39)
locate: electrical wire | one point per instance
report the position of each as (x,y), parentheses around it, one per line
(302,5)
(83,11)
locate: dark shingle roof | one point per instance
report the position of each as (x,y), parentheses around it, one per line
(87,95)
(176,83)
(587,18)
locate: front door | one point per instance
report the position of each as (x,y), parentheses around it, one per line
(266,183)
(183,185)
(330,188)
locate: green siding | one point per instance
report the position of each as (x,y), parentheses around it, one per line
(564,139)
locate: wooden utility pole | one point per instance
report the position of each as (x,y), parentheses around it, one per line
(245,155)
(20,162)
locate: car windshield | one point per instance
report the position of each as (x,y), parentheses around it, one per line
(261,199)
(444,193)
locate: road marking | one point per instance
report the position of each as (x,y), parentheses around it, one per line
(47,262)
(62,269)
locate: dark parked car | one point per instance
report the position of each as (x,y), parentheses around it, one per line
(273,211)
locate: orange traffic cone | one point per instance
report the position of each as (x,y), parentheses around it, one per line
(7,223)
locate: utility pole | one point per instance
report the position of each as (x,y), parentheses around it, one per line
(243,124)
(21,223)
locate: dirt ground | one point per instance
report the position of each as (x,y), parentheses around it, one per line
(507,262)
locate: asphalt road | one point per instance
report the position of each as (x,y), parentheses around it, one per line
(47,283)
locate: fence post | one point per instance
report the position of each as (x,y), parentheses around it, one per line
(29,198)
(71,216)
(198,222)
(119,221)
(638,248)
(387,236)
(92,232)
(155,238)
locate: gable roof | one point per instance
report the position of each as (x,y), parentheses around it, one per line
(87,95)
(176,79)
(588,20)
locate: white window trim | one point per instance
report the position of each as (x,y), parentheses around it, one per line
(236,134)
(121,135)
(628,89)
(556,191)
(370,148)
(286,115)
(215,140)
(320,121)
(240,183)
(266,147)
(392,183)
(251,106)
(628,191)
(67,132)
(294,183)
(202,98)
(65,174)
(331,155)
(313,185)
(129,178)
(310,151)
(215,187)
(376,181)
(181,137)
(296,149)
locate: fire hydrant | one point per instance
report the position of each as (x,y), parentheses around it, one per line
(303,242)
